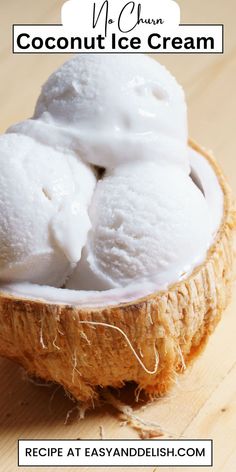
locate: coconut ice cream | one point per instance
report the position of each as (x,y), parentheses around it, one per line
(44,198)
(148,223)
(112,109)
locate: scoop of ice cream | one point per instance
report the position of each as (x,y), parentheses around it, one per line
(44,196)
(112,109)
(148,223)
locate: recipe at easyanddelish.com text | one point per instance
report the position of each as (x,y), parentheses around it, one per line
(97,453)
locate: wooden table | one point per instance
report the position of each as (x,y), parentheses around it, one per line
(203,403)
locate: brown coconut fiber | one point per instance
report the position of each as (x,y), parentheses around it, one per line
(147,341)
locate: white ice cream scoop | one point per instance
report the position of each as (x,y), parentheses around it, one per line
(148,224)
(112,109)
(44,197)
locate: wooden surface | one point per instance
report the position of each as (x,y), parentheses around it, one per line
(203,403)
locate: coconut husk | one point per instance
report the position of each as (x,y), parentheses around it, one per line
(148,341)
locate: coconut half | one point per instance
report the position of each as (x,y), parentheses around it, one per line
(147,339)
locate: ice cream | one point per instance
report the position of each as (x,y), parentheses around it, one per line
(112,109)
(44,197)
(148,223)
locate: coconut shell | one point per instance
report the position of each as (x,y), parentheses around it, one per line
(148,341)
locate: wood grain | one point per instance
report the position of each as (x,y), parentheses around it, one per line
(203,403)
